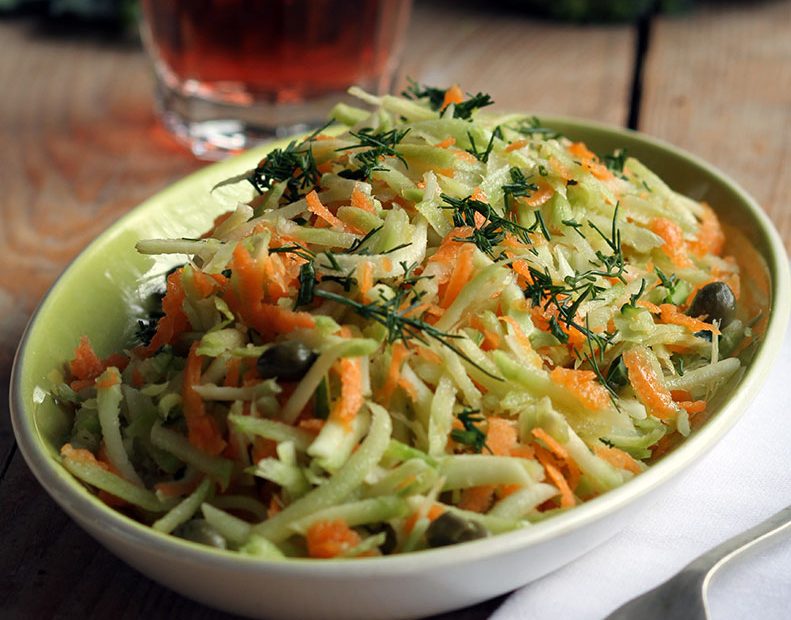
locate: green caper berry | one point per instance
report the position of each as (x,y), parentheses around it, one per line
(450,529)
(716,302)
(289,361)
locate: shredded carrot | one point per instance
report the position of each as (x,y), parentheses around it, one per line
(202,430)
(491,340)
(398,354)
(86,364)
(465,156)
(522,268)
(551,443)
(710,238)
(174,321)
(693,406)
(501,436)
(673,238)
(232,370)
(453,95)
(566,495)
(447,142)
(351,399)
(365,279)
(315,206)
(582,383)
(518,332)
(523,451)
(652,308)
(590,161)
(477,499)
(329,539)
(361,201)
(504,490)
(108,380)
(517,144)
(137,378)
(462,272)
(617,458)
(539,196)
(479,194)
(559,169)
(670,314)
(246,299)
(647,385)
(680,395)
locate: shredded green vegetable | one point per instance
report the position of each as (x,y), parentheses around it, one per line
(432,311)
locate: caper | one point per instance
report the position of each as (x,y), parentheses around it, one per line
(390,542)
(289,361)
(716,301)
(450,529)
(201,531)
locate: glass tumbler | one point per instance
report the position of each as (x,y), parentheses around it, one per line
(232,73)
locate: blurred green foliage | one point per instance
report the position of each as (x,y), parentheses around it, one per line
(122,12)
(599,10)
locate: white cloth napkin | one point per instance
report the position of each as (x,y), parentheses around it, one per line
(745,479)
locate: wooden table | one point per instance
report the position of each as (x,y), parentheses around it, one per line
(79,146)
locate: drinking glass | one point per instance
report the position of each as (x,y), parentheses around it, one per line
(232,73)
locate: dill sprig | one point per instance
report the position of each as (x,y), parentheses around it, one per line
(436,99)
(494,228)
(471,435)
(613,264)
(483,156)
(567,297)
(576,226)
(595,358)
(294,164)
(615,161)
(435,96)
(377,145)
(357,244)
(394,314)
(670,283)
(520,187)
(465,109)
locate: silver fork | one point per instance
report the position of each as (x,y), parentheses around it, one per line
(684,595)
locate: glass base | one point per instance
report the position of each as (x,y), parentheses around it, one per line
(214,130)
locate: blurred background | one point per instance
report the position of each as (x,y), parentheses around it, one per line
(80,145)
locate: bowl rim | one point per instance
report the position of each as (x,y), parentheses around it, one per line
(84,506)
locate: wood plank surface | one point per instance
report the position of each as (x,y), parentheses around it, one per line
(718,83)
(80,146)
(527,65)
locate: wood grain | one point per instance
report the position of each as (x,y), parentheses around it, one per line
(718,83)
(527,65)
(80,147)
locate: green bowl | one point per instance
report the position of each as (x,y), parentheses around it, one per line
(100,295)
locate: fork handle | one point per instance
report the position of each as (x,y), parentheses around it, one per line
(749,540)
